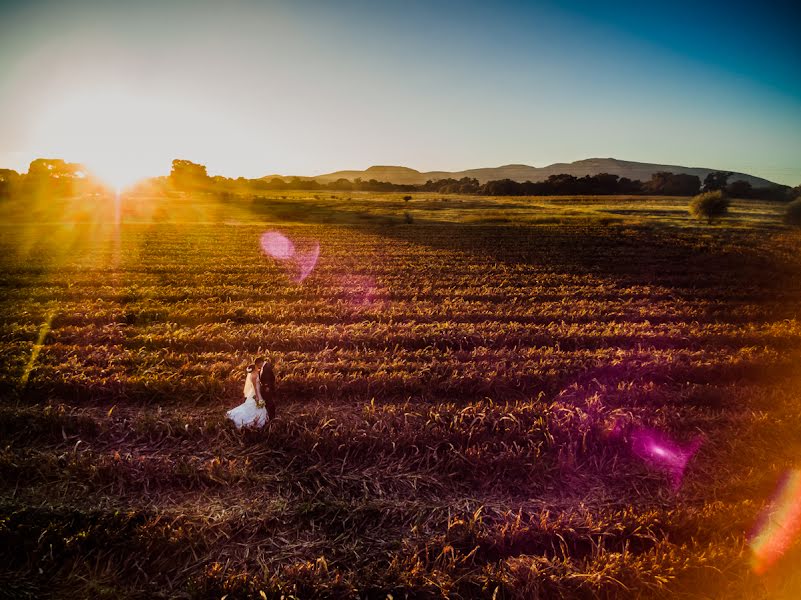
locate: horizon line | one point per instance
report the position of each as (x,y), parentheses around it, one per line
(321,173)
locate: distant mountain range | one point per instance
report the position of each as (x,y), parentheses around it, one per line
(580,168)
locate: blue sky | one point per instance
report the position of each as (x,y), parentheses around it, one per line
(304,87)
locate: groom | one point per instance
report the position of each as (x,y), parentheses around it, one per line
(267,384)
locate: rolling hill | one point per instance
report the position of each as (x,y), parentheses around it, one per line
(580,168)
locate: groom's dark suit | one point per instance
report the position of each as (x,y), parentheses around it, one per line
(267,387)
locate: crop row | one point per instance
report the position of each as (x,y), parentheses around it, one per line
(166,375)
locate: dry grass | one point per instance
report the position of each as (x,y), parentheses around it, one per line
(457,400)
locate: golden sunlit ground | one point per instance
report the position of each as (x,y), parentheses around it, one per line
(386,208)
(479,397)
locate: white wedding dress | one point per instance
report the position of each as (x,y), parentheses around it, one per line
(248,414)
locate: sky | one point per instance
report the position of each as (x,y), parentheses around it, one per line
(304,87)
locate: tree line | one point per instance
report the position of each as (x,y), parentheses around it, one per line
(49,177)
(56,176)
(191,176)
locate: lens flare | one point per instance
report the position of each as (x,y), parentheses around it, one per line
(277,245)
(37,348)
(300,263)
(663,453)
(306,261)
(778,525)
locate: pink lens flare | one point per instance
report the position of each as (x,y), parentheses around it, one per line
(277,245)
(779,525)
(298,262)
(306,261)
(663,453)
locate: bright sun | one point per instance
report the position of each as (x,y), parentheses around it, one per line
(115,170)
(119,135)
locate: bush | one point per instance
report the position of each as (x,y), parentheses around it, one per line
(407,198)
(709,205)
(792,215)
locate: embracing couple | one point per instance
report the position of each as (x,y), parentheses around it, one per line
(259,404)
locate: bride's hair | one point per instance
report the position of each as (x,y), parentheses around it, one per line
(250,368)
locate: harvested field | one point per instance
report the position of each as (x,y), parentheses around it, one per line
(461,401)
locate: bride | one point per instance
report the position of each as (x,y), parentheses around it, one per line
(251,413)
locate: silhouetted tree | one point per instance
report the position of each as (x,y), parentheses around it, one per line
(627,186)
(739,189)
(54,176)
(670,184)
(468,185)
(224,182)
(341,184)
(9,180)
(502,187)
(773,192)
(55,168)
(561,184)
(602,183)
(296,183)
(716,180)
(186,175)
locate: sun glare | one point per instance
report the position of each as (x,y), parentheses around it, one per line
(116,170)
(118,134)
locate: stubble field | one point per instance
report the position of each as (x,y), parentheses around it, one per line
(463,398)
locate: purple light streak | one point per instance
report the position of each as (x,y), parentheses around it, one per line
(661,452)
(306,261)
